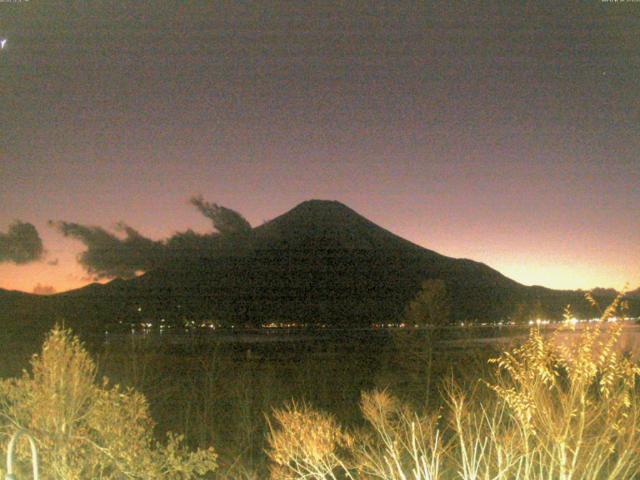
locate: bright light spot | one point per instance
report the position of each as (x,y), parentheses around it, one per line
(3,42)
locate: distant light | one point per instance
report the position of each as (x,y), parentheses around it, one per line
(3,42)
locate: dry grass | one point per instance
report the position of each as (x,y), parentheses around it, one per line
(306,443)
(553,409)
(399,441)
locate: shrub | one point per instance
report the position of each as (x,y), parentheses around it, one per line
(306,443)
(86,429)
(571,404)
(563,407)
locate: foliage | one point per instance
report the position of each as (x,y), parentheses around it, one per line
(88,429)
(430,306)
(306,443)
(399,440)
(571,404)
(562,407)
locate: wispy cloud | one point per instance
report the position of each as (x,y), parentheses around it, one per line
(225,220)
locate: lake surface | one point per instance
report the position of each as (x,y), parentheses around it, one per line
(442,337)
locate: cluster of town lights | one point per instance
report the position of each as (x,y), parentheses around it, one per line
(147,325)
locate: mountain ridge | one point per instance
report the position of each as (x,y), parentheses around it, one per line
(318,263)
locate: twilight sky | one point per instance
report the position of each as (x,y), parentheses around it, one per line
(505,134)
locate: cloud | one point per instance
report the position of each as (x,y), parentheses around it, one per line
(21,244)
(40,289)
(225,220)
(109,255)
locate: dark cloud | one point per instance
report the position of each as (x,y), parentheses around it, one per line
(21,244)
(40,289)
(225,220)
(110,255)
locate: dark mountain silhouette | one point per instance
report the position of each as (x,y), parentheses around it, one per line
(323,263)
(634,293)
(320,263)
(6,294)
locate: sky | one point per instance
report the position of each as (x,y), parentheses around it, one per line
(504,133)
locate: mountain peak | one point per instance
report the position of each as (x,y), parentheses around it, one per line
(328,221)
(321,203)
(318,212)
(328,206)
(330,224)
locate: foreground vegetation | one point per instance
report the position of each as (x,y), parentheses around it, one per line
(554,410)
(87,429)
(562,406)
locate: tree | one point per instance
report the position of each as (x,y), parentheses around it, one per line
(431,306)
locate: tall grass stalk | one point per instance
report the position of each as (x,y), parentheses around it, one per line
(562,407)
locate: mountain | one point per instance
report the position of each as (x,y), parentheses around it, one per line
(5,294)
(324,263)
(633,294)
(319,263)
